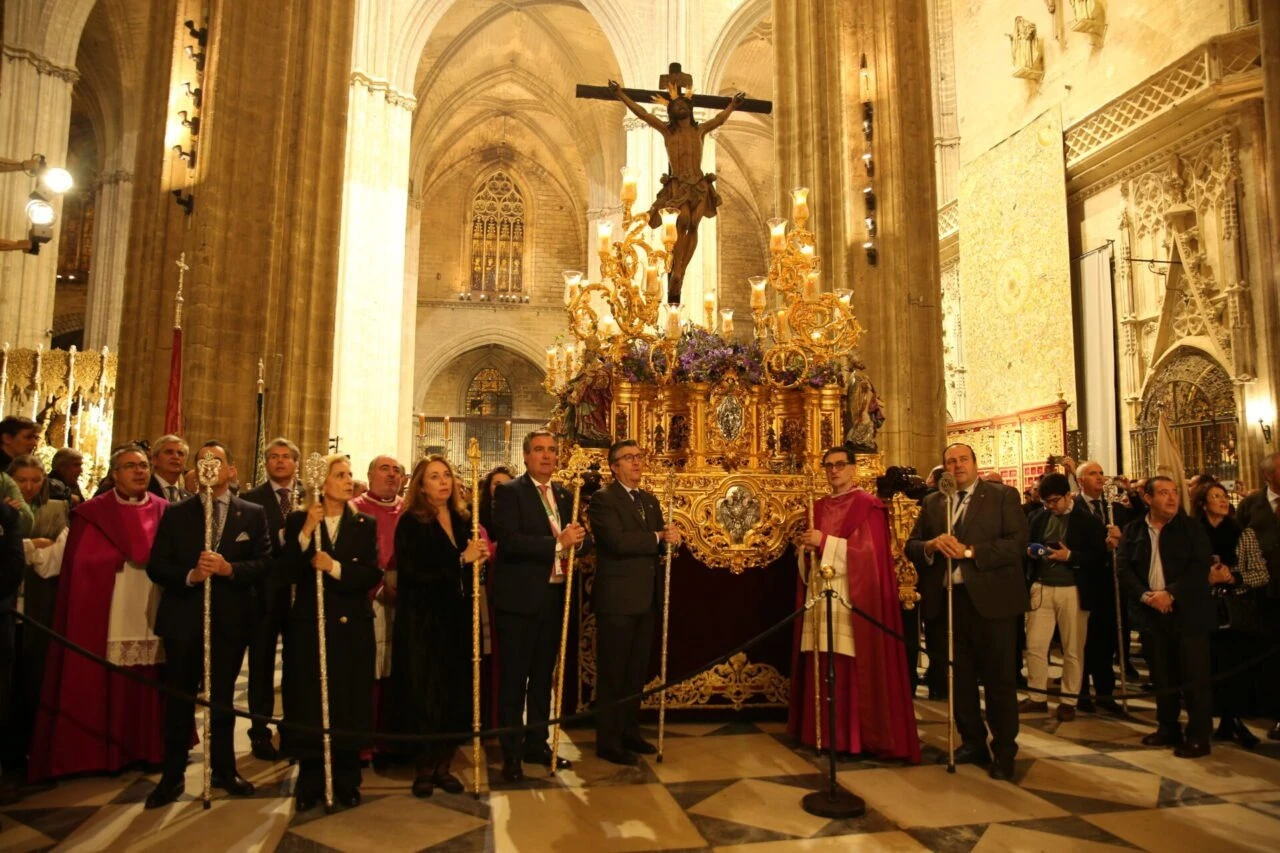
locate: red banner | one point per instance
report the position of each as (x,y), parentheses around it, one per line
(173,407)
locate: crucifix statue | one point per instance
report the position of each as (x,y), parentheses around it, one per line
(684,188)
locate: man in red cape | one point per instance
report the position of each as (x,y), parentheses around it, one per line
(873,693)
(90,719)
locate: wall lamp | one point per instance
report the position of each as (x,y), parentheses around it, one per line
(51,181)
(187,202)
(194,93)
(200,35)
(192,124)
(196,56)
(185,154)
(1266,430)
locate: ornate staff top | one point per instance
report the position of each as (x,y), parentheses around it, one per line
(314,472)
(473,452)
(207,470)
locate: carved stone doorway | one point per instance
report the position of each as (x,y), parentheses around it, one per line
(1198,400)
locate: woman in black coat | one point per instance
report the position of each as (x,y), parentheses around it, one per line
(348,559)
(431,680)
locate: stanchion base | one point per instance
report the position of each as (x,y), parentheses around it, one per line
(328,808)
(838,804)
(659,758)
(951,768)
(206,804)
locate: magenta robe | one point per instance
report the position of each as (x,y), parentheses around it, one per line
(874,710)
(89,719)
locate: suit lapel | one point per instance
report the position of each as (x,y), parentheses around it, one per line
(621,493)
(230,525)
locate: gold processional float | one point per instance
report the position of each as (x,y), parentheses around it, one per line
(733,432)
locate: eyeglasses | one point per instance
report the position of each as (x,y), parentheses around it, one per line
(134,466)
(834,466)
(629,457)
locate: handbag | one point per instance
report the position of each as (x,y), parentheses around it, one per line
(1239,612)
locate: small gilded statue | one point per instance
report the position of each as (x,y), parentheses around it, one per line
(737,512)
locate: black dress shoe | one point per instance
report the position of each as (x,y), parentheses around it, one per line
(1001,771)
(620,756)
(233,783)
(543,757)
(1192,749)
(448,783)
(264,750)
(1243,736)
(423,786)
(1085,706)
(348,799)
(166,791)
(1111,706)
(639,746)
(305,802)
(971,755)
(511,771)
(1163,737)
(1225,730)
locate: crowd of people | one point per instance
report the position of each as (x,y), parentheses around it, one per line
(386,565)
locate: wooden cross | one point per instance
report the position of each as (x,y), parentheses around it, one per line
(684,82)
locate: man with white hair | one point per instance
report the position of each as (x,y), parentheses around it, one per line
(1100,643)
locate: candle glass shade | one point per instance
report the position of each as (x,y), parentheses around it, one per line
(758,284)
(812,285)
(726,322)
(604,232)
(673,321)
(800,206)
(777,234)
(670,216)
(629,179)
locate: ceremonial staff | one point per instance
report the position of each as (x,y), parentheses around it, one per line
(947,485)
(577,465)
(670,489)
(1109,494)
(315,472)
(473,456)
(207,470)
(815,613)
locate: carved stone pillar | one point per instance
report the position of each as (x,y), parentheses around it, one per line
(105,297)
(262,241)
(819,144)
(35,117)
(368,411)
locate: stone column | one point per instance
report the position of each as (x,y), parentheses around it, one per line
(819,144)
(35,117)
(374,328)
(263,239)
(105,297)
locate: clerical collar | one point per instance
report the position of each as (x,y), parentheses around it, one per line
(127,501)
(379,501)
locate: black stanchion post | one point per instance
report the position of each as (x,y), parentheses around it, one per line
(835,802)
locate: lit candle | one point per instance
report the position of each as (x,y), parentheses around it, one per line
(506,432)
(758,283)
(815,336)
(629,178)
(651,278)
(572,282)
(446,427)
(806,252)
(709,309)
(669,216)
(673,320)
(608,326)
(551,358)
(726,322)
(845,295)
(800,205)
(777,234)
(568,359)
(811,284)
(784,327)
(605,232)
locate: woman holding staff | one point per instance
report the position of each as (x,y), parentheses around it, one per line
(431,683)
(347,560)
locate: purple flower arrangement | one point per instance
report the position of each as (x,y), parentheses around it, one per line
(703,356)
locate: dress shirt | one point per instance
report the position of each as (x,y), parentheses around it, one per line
(1155,573)
(172,491)
(331,524)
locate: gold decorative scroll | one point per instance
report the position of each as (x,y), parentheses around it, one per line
(903,512)
(737,681)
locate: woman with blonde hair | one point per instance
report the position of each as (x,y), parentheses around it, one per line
(431,680)
(333,542)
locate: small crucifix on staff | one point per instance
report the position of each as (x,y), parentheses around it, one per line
(684,188)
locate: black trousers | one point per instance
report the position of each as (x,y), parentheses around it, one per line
(911,641)
(346,774)
(622,662)
(935,645)
(262,656)
(1099,650)
(529,644)
(1233,696)
(985,653)
(184,671)
(1178,660)
(1268,686)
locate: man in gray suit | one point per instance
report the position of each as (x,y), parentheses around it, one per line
(629,532)
(990,596)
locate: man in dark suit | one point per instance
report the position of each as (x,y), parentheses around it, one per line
(1100,645)
(630,534)
(1260,512)
(990,596)
(1164,567)
(535,532)
(277,495)
(179,563)
(1068,575)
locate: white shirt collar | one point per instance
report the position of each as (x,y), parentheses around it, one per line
(130,501)
(165,485)
(1272,497)
(276,487)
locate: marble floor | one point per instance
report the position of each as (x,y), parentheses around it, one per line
(1085,785)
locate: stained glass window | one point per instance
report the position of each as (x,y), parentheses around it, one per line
(489,394)
(497,237)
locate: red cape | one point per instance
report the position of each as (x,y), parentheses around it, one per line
(90,719)
(874,710)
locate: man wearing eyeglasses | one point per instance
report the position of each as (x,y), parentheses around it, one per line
(873,688)
(1066,566)
(630,535)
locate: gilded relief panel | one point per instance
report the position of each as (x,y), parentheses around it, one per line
(1015,287)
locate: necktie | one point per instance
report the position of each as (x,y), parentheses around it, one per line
(286,502)
(635,496)
(548,502)
(171,494)
(1097,509)
(218,521)
(959,511)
